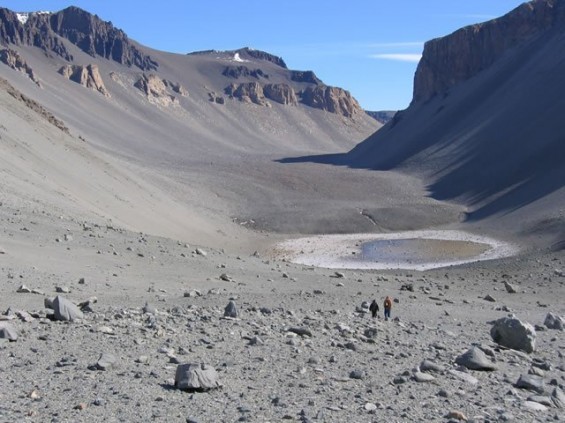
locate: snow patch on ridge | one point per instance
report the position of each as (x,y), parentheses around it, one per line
(24,16)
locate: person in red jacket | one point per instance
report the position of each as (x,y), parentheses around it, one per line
(387,307)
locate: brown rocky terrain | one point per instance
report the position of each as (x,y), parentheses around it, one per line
(87,76)
(15,61)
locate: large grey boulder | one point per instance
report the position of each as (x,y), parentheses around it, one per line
(553,321)
(475,359)
(196,377)
(7,331)
(66,310)
(106,362)
(510,332)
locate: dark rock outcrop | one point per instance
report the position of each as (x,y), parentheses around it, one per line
(35,32)
(331,99)
(88,32)
(281,93)
(237,72)
(13,59)
(87,76)
(305,76)
(450,60)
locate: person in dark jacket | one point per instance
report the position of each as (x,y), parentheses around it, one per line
(374,308)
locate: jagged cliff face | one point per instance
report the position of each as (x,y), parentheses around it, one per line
(92,35)
(13,59)
(453,59)
(87,76)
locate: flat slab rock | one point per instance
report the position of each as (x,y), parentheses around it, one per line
(196,377)
(475,359)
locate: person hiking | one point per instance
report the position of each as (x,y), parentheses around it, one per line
(374,308)
(388,307)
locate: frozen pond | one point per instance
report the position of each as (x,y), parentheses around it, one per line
(417,250)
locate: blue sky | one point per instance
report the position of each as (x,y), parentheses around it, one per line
(369,47)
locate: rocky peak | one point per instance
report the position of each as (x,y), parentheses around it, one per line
(86,31)
(87,76)
(455,58)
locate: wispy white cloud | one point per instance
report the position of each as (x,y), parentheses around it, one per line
(401,57)
(400,44)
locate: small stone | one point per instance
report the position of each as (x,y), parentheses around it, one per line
(81,406)
(457,415)
(489,298)
(429,366)
(62,289)
(201,252)
(357,374)
(370,407)
(23,290)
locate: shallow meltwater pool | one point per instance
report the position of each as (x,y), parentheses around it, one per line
(420,251)
(416,250)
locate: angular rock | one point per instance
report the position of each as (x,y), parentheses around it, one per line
(475,359)
(512,333)
(66,310)
(7,331)
(509,287)
(558,398)
(554,321)
(531,383)
(87,76)
(106,362)
(196,377)
(231,310)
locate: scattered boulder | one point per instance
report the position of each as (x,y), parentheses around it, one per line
(553,321)
(66,310)
(475,359)
(231,310)
(531,383)
(512,333)
(7,331)
(423,377)
(105,362)
(196,377)
(509,288)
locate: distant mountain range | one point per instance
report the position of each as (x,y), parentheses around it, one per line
(485,128)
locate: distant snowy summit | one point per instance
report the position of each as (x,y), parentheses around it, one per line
(24,16)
